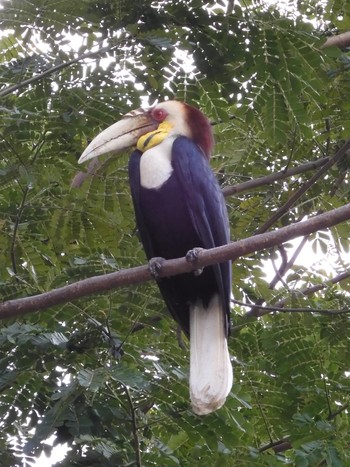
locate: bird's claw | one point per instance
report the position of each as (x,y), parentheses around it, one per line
(192,257)
(155,266)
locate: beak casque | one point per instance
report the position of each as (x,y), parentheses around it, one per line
(120,135)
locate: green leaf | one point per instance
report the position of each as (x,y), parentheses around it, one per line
(93,380)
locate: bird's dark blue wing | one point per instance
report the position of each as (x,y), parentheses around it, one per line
(206,205)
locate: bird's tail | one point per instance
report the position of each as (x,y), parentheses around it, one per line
(211,375)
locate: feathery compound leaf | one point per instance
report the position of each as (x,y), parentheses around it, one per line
(107,374)
(92,379)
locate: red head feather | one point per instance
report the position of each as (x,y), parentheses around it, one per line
(200,128)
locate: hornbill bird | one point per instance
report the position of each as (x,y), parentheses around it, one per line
(179,206)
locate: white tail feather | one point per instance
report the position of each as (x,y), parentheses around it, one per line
(211,375)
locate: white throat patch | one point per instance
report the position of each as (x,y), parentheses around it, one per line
(155,164)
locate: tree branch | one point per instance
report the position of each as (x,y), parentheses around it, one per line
(54,69)
(173,267)
(340,40)
(268,179)
(270,308)
(341,409)
(285,443)
(285,264)
(279,273)
(15,229)
(303,189)
(91,169)
(278,446)
(21,209)
(134,428)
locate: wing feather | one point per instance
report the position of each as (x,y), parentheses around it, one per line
(206,205)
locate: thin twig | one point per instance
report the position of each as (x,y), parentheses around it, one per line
(269,308)
(269,179)
(134,428)
(92,168)
(323,377)
(279,273)
(267,428)
(286,265)
(15,229)
(54,69)
(21,208)
(258,311)
(284,444)
(303,189)
(341,409)
(292,148)
(138,326)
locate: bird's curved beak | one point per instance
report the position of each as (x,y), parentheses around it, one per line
(120,135)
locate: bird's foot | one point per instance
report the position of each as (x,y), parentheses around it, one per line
(155,266)
(192,257)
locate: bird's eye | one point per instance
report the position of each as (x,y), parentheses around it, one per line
(159,115)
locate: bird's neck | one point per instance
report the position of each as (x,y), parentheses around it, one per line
(155,164)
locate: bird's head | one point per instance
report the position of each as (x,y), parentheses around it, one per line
(146,128)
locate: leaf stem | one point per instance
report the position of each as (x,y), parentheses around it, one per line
(15,229)
(134,428)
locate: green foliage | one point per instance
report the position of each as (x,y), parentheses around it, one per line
(105,374)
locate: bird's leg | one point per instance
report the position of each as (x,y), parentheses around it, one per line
(192,257)
(179,338)
(155,266)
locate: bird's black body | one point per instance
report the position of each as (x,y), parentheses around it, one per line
(187,211)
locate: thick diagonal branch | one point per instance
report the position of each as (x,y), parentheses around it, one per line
(173,267)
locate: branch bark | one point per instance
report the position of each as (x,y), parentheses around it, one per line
(278,446)
(340,40)
(268,179)
(173,267)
